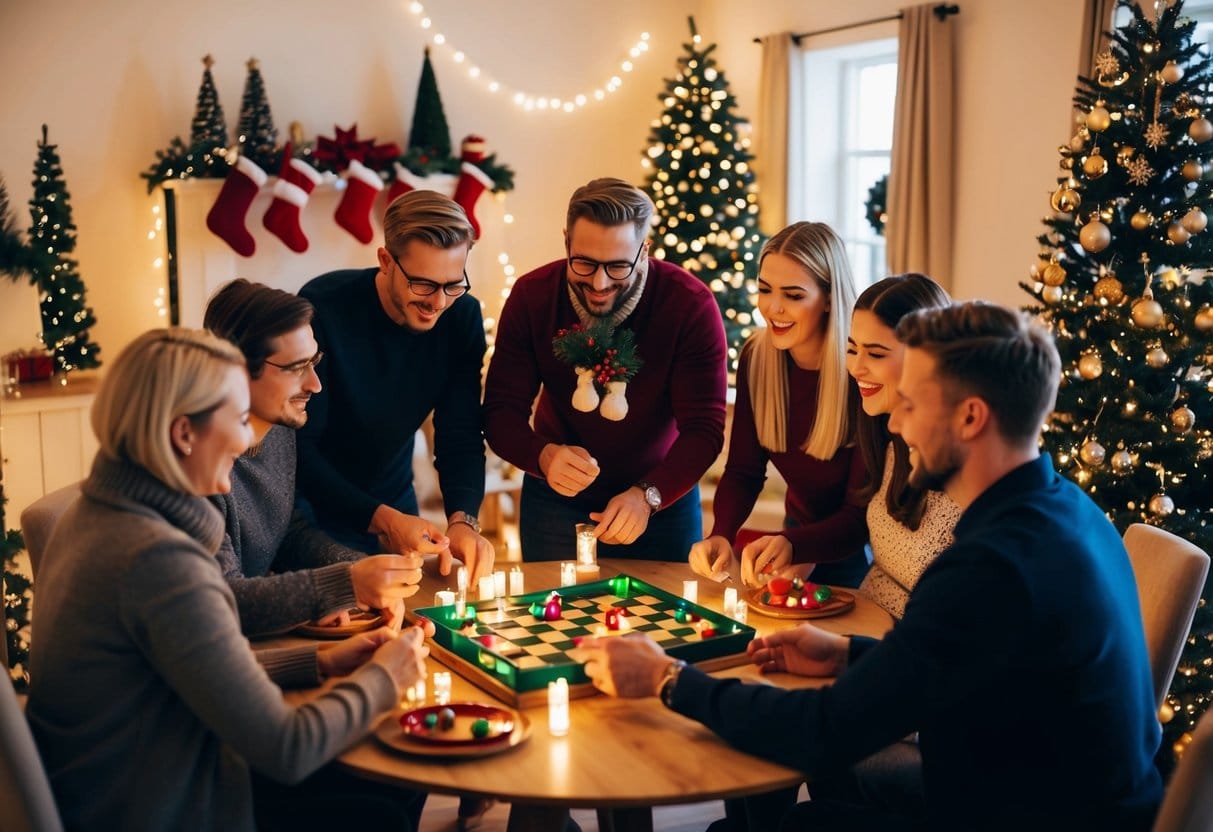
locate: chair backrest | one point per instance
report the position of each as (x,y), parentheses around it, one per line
(39,519)
(1188,804)
(25,792)
(1170,575)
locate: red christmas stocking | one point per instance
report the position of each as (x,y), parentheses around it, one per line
(226,217)
(354,212)
(472,183)
(406,181)
(296,181)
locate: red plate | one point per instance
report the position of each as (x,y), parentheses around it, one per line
(501,724)
(839,602)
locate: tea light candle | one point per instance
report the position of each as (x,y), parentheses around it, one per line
(741,612)
(444,598)
(499,583)
(442,687)
(487,588)
(587,545)
(461,579)
(568,573)
(558,707)
(690,591)
(730,600)
(516,581)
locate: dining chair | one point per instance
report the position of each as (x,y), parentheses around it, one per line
(39,518)
(1187,805)
(1170,575)
(25,791)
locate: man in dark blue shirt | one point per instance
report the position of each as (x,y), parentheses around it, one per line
(401,341)
(1021,659)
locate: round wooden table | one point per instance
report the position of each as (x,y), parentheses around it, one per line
(621,756)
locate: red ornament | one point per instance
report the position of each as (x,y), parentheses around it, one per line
(336,154)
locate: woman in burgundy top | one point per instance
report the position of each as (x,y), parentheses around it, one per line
(796,408)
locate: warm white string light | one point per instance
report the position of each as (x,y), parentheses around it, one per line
(153,235)
(530,102)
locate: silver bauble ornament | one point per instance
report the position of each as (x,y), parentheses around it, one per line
(1095,166)
(1161,505)
(1090,366)
(1195,220)
(1095,236)
(1122,462)
(1204,318)
(1157,358)
(1182,419)
(1092,453)
(1052,295)
(1200,130)
(1147,313)
(1171,72)
(1099,119)
(1177,234)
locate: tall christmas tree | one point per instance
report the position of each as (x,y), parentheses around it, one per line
(66,317)
(256,133)
(206,154)
(1121,280)
(703,188)
(17,596)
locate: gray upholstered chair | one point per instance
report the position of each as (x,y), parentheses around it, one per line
(1170,575)
(25,792)
(1188,804)
(38,521)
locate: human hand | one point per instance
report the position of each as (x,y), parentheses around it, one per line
(381,580)
(711,557)
(476,553)
(568,469)
(403,657)
(624,519)
(628,666)
(407,534)
(334,619)
(344,657)
(805,650)
(764,556)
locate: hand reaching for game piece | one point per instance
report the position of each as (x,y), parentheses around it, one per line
(381,580)
(713,559)
(629,667)
(406,534)
(805,650)
(569,469)
(765,556)
(624,519)
(344,657)
(476,553)
(402,656)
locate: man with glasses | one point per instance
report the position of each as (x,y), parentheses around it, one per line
(313,577)
(636,478)
(401,341)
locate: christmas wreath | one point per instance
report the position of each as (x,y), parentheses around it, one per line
(605,360)
(875,208)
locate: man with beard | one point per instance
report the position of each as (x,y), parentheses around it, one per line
(1021,659)
(402,340)
(314,577)
(635,477)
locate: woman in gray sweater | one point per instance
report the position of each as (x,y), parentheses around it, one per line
(147,703)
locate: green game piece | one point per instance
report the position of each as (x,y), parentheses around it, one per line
(822,594)
(480,728)
(537,609)
(431,719)
(680,615)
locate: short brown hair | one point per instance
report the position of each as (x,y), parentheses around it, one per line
(252,315)
(985,350)
(428,216)
(610,202)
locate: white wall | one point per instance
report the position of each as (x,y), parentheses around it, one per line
(115,81)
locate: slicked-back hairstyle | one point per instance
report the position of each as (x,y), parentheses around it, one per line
(161,375)
(428,216)
(252,315)
(890,300)
(610,202)
(820,252)
(988,351)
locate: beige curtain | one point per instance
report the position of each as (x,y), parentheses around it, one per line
(921,196)
(771,132)
(1096,19)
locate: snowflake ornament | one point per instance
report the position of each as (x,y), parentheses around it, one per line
(1139,171)
(1156,135)
(1107,63)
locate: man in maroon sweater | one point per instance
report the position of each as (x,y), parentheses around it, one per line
(636,477)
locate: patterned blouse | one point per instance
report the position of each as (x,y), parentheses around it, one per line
(899,555)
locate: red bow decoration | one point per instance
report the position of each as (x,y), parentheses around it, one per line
(337,153)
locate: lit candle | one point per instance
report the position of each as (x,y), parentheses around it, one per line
(516,581)
(444,598)
(558,707)
(442,687)
(568,573)
(690,591)
(741,612)
(499,583)
(487,588)
(587,545)
(730,600)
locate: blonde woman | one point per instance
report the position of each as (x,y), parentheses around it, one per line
(795,408)
(147,704)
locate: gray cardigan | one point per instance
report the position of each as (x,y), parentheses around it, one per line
(146,702)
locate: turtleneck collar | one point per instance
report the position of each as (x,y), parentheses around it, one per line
(619,315)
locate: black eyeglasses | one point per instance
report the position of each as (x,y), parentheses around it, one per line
(615,270)
(421,286)
(299,367)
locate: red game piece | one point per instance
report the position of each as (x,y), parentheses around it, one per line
(708,632)
(552,611)
(612,618)
(779,586)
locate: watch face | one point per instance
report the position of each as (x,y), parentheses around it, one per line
(653,497)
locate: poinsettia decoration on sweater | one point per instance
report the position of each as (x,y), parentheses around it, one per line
(605,360)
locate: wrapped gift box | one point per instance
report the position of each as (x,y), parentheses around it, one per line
(29,366)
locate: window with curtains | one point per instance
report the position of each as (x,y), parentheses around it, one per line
(849,93)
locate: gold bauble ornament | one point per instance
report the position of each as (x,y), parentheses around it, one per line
(1065,200)
(1092,453)
(1192,170)
(1204,318)
(1095,165)
(1182,419)
(1098,119)
(1095,236)
(1166,713)
(1141,220)
(1122,462)
(1161,505)
(1147,313)
(1195,220)
(1157,358)
(1171,73)
(1052,295)
(1053,275)
(1109,289)
(1177,234)
(1090,366)
(1200,130)
(1124,155)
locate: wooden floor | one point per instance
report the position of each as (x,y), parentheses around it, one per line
(441,811)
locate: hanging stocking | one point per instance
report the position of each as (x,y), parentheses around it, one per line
(226,217)
(472,183)
(354,212)
(406,180)
(296,181)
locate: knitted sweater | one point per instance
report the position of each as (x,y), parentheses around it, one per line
(146,702)
(263,531)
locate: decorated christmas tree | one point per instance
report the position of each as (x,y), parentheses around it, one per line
(1122,281)
(256,135)
(17,596)
(429,136)
(206,154)
(703,188)
(66,316)
(209,128)
(14,253)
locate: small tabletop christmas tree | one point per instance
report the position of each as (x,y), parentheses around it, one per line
(206,154)
(256,134)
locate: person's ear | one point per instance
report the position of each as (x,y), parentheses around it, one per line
(385,260)
(181,434)
(974,416)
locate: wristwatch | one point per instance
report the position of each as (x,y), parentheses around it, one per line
(669,679)
(466,519)
(651,495)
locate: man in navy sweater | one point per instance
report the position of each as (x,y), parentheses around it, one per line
(1021,659)
(401,341)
